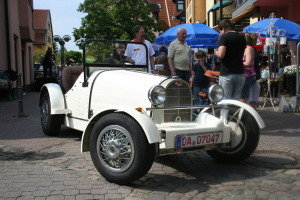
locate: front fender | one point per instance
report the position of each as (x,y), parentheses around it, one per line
(57,100)
(248,108)
(147,124)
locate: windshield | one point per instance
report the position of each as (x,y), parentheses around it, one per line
(115,54)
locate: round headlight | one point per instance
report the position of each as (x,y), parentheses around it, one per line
(157,95)
(215,93)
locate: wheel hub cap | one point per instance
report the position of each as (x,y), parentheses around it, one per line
(236,133)
(113,149)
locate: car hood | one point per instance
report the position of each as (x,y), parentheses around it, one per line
(123,87)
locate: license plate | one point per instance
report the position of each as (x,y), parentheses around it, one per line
(199,139)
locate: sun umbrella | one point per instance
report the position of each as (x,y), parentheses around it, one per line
(281,27)
(198,35)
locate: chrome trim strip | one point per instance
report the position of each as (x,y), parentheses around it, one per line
(185,107)
(70,116)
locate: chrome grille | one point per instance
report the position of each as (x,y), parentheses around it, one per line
(178,94)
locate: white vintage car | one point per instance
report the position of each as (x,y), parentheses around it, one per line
(128,117)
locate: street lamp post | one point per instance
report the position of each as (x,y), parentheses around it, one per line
(62,41)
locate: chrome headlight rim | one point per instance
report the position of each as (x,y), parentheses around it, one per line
(153,94)
(214,91)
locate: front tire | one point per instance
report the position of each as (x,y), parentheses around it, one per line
(244,139)
(51,124)
(120,150)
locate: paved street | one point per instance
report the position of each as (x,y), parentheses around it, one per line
(34,166)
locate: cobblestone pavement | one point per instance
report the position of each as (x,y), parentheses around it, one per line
(34,166)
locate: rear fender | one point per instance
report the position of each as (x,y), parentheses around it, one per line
(248,108)
(57,99)
(147,124)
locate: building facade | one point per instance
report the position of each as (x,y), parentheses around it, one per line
(216,10)
(195,11)
(43,30)
(17,36)
(287,9)
(168,12)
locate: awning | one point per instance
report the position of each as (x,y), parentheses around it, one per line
(246,13)
(217,5)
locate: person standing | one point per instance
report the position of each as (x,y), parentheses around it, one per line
(249,69)
(162,58)
(178,56)
(47,63)
(200,82)
(117,57)
(231,46)
(136,53)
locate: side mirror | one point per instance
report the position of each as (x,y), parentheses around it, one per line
(159,67)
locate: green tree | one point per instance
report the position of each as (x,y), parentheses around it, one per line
(37,55)
(114,19)
(75,55)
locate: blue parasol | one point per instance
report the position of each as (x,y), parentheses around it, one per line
(198,35)
(282,27)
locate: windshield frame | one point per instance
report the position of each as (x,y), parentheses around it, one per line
(86,66)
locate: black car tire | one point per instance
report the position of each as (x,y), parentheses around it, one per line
(51,124)
(248,143)
(140,152)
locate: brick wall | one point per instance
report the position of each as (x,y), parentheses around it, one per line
(163,15)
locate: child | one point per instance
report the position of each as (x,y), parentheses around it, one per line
(199,81)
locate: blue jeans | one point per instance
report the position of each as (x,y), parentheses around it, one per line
(233,85)
(249,82)
(197,99)
(185,75)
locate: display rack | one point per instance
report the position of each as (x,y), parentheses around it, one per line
(272,34)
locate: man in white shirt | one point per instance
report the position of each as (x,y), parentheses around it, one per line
(136,53)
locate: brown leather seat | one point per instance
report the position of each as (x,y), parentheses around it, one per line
(69,76)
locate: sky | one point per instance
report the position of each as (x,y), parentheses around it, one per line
(64,16)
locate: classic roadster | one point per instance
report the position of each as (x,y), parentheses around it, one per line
(129,116)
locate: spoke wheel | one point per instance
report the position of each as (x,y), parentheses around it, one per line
(238,136)
(119,149)
(44,113)
(115,148)
(243,140)
(51,124)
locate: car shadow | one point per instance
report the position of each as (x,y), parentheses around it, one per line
(14,154)
(189,172)
(67,132)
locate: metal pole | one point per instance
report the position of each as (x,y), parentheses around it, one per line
(62,55)
(297,69)
(20,96)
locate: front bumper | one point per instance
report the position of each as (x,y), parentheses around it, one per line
(204,123)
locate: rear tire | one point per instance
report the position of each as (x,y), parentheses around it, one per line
(51,124)
(246,138)
(120,150)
